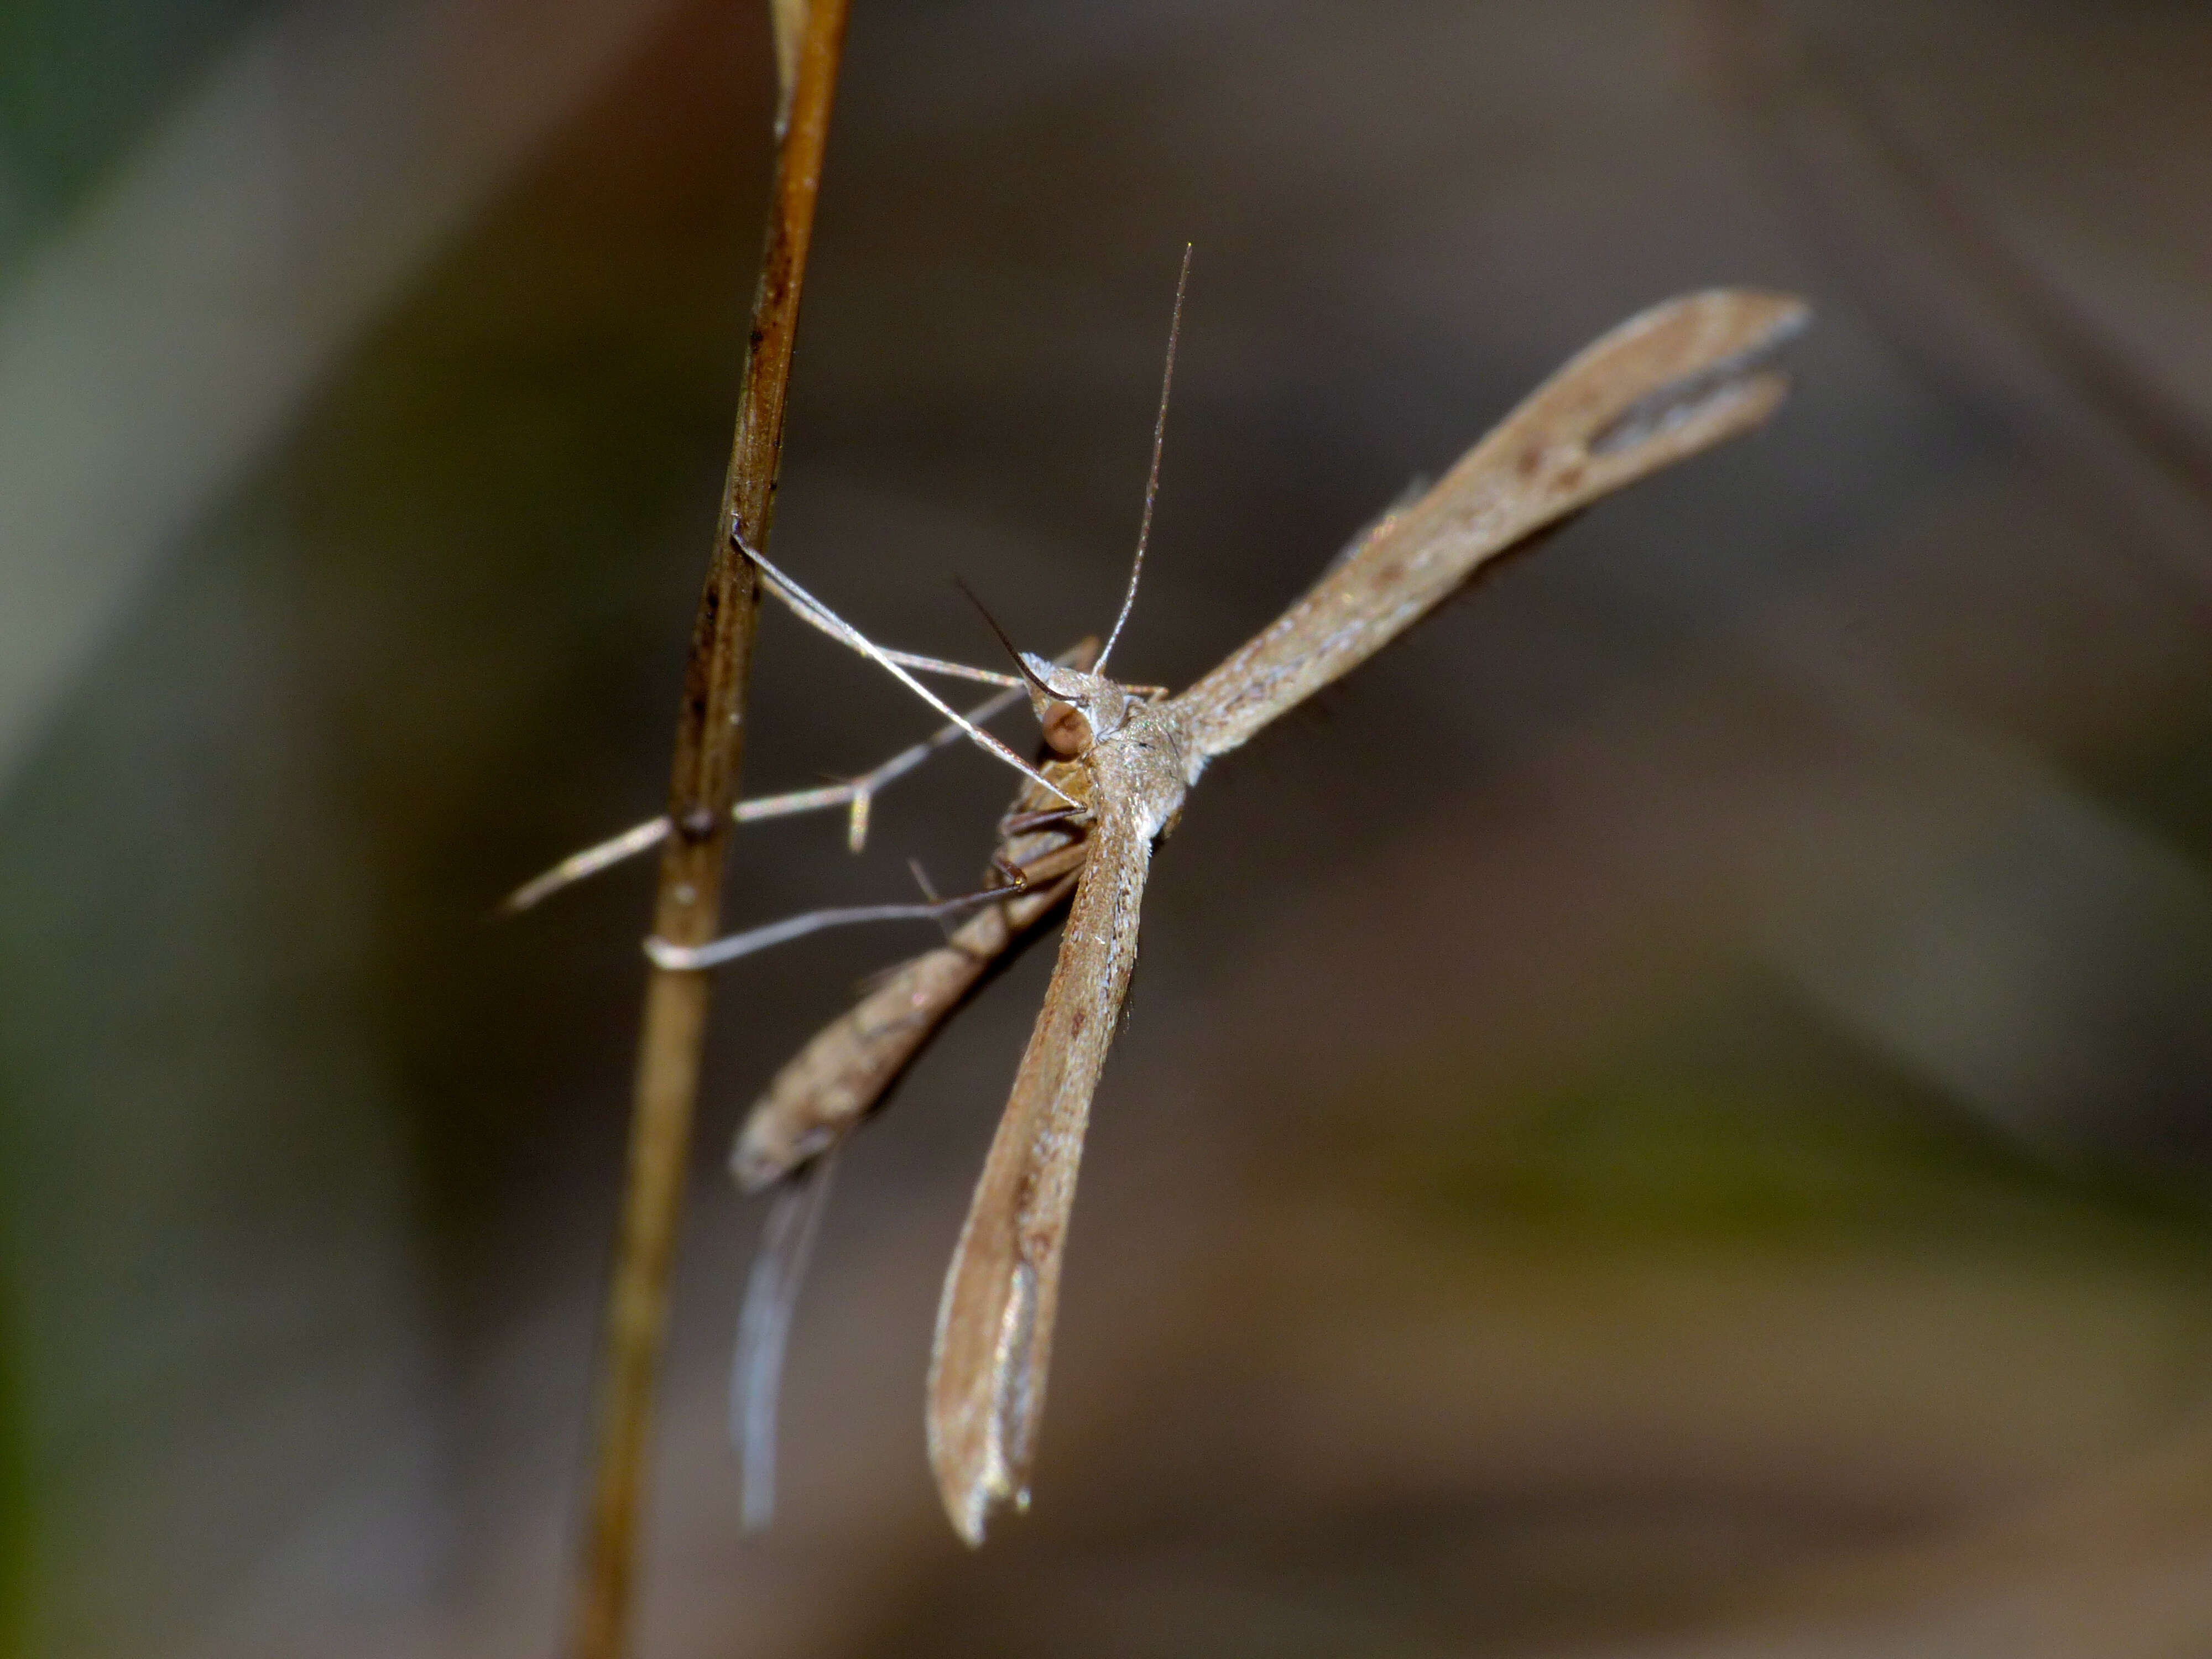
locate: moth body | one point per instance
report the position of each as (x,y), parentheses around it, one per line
(1661,387)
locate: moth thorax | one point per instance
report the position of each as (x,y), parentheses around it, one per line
(1066,729)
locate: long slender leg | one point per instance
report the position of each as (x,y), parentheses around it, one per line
(856,796)
(589,862)
(729,949)
(830,623)
(816,615)
(1027,824)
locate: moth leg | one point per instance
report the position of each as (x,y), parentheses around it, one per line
(1023,824)
(683,958)
(856,795)
(945,924)
(589,862)
(817,616)
(838,629)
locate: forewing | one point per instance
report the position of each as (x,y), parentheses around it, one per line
(986,1373)
(1663,386)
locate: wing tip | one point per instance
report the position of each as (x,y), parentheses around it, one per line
(964,1483)
(1709,362)
(1745,324)
(1773,312)
(1782,317)
(968,1452)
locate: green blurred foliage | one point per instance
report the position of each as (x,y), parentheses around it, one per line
(82,81)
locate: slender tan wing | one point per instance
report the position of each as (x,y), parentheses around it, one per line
(791,1138)
(986,1371)
(1663,386)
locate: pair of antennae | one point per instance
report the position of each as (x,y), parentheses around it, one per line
(813,611)
(1143,525)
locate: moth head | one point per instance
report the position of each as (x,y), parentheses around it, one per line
(1076,709)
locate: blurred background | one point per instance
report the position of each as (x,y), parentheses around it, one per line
(1668,1115)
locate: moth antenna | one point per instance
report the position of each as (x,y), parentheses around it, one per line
(1010,647)
(1152,482)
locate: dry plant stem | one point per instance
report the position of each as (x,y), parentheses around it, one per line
(709,744)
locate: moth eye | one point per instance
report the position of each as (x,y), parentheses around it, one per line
(1066,733)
